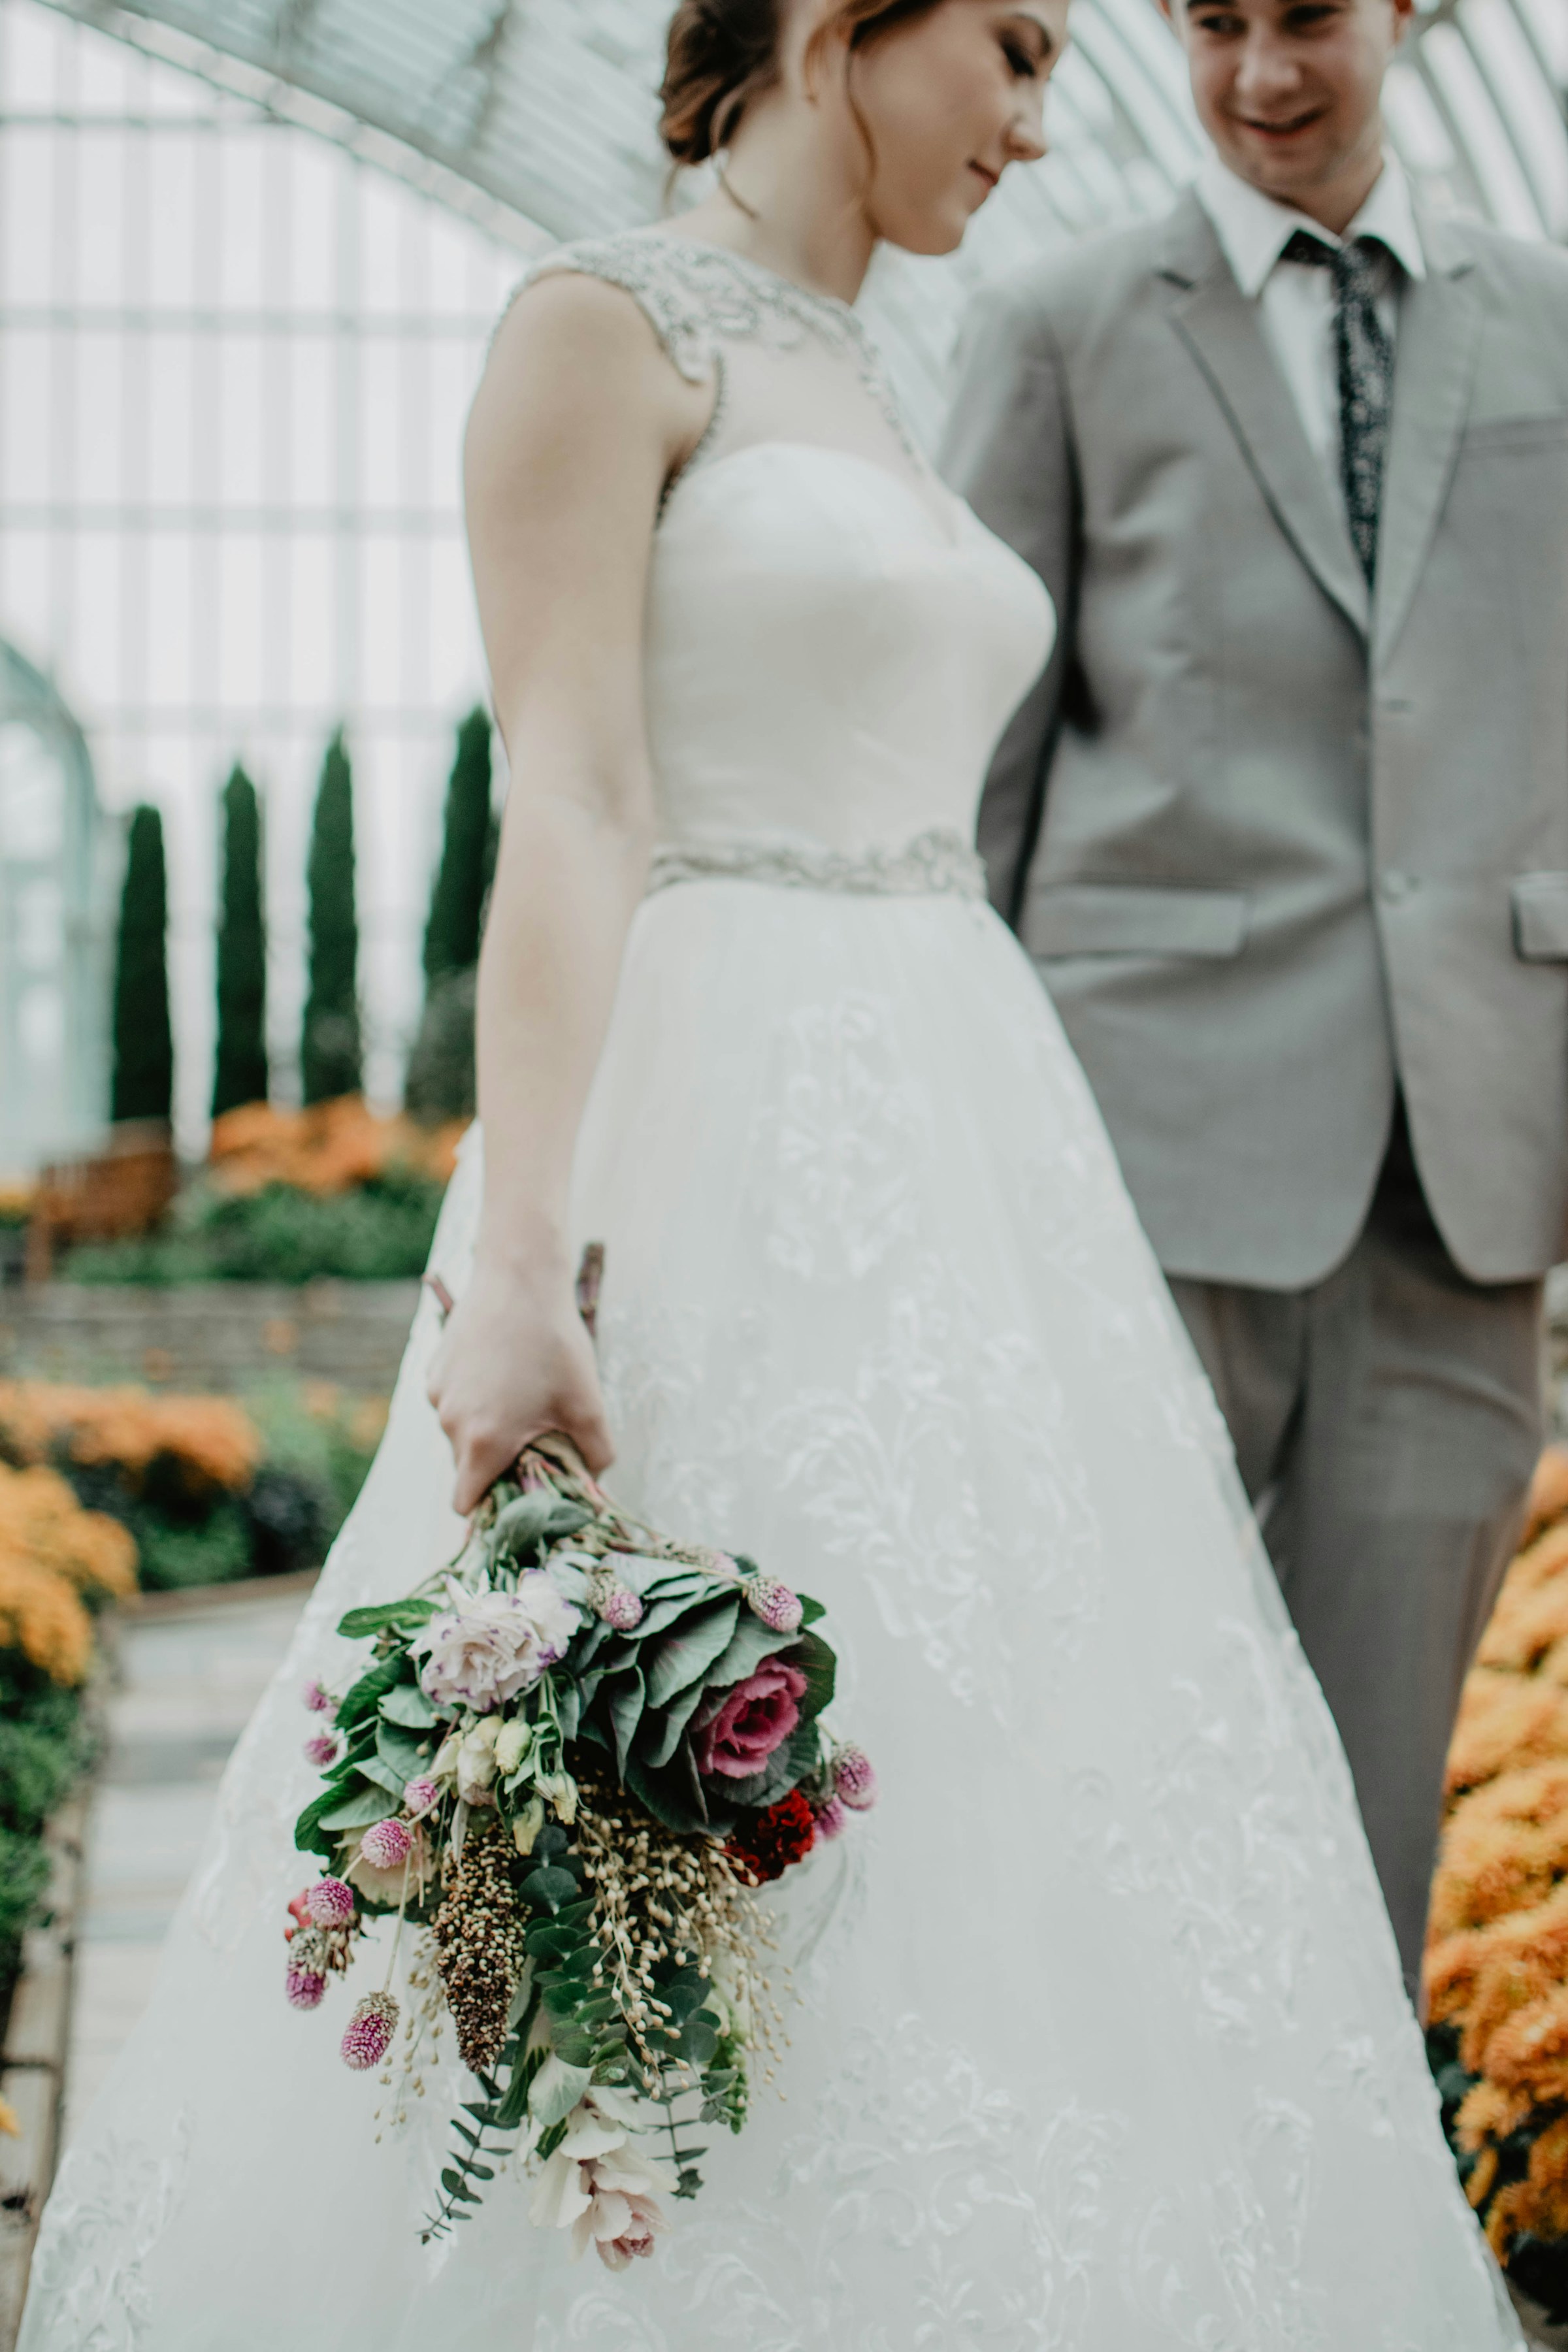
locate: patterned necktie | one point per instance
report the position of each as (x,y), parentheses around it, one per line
(1366,378)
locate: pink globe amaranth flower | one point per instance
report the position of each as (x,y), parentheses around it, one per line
(737,1730)
(622,1610)
(774,1603)
(367,2037)
(318,1701)
(331,1904)
(420,1796)
(855,1779)
(303,1987)
(387,1845)
(832,1819)
(300,1912)
(322,1749)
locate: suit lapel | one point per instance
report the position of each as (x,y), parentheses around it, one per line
(1434,370)
(1221,329)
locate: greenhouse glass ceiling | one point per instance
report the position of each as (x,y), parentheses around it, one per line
(543,111)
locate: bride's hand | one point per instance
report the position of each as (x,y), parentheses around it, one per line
(515,1361)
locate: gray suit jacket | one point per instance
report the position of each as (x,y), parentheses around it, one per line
(1273,849)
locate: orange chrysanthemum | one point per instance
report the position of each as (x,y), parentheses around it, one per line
(214,1440)
(329,1147)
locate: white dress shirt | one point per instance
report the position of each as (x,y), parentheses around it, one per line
(1295,301)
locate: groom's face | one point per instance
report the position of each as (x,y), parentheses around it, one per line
(1290,91)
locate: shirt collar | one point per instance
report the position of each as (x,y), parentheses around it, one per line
(1254,230)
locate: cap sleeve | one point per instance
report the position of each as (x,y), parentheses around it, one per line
(654,271)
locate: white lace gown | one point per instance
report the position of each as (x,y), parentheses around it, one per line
(1101,2044)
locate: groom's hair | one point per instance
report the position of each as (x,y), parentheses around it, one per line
(719,54)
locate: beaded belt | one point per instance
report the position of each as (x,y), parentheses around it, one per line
(937,862)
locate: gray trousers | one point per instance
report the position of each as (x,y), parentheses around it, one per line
(1386,1421)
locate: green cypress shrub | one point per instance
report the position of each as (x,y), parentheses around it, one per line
(143,1079)
(462,879)
(329,1053)
(240,1074)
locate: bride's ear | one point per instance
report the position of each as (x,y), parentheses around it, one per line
(815,39)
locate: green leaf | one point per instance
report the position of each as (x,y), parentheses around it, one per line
(483,2172)
(673,1796)
(408,1704)
(816,1662)
(752,1642)
(540,1518)
(624,1700)
(456,2186)
(385,1775)
(358,1811)
(685,1655)
(556,2089)
(549,1888)
(810,1610)
(693,1593)
(367,1694)
(401,1750)
(662,1735)
(395,1616)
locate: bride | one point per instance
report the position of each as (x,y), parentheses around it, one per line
(1101,2044)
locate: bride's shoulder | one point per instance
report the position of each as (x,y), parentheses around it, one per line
(664,277)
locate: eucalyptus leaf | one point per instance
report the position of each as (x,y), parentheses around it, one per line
(556,2090)
(684,1655)
(568,1707)
(358,1811)
(407,1703)
(549,1888)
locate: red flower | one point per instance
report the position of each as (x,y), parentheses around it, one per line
(765,1846)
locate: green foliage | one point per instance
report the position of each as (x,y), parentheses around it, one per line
(45,1748)
(143,1079)
(174,1555)
(23,1877)
(330,1056)
(379,1232)
(457,901)
(240,1073)
(440,1082)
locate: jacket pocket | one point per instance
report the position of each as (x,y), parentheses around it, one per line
(1111,918)
(1541,917)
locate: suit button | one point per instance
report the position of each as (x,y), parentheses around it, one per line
(1394,886)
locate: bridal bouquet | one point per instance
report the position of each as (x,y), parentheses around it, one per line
(571,1760)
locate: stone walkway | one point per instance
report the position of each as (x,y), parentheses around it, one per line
(187,1682)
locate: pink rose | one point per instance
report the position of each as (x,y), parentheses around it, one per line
(737,1731)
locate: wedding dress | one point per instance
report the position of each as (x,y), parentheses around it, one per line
(1100,2043)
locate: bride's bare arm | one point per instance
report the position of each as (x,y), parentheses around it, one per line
(575,427)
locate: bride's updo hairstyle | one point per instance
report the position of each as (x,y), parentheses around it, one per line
(722,54)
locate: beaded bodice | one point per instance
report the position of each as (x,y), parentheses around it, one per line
(833,642)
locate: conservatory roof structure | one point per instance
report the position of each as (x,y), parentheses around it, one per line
(540,114)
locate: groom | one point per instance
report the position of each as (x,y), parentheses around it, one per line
(1285,826)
